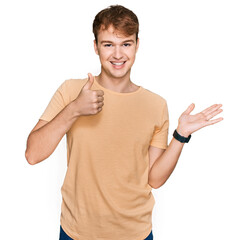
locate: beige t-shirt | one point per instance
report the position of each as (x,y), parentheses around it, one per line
(105,194)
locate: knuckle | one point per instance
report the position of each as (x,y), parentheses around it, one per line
(95,106)
(95,111)
(95,99)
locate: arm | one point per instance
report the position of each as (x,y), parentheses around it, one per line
(45,136)
(166,162)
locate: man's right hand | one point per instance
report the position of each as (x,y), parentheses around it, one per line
(45,136)
(89,102)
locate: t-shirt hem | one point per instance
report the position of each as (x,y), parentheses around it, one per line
(44,118)
(159,146)
(66,230)
(144,236)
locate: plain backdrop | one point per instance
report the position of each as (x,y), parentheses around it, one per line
(190,52)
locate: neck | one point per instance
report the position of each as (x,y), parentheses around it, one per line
(122,84)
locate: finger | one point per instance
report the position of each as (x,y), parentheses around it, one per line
(90,82)
(213,114)
(99,92)
(214,121)
(99,108)
(211,108)
(100,99)
(100,104)
(189,109)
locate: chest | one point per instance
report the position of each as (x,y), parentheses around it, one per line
(119,123)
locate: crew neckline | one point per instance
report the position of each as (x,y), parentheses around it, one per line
(114,92)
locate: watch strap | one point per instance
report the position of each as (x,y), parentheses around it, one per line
(180,138)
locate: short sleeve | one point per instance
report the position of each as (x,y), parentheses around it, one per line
(160,135)
(56,104)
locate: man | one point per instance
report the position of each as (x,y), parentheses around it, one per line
(116,139)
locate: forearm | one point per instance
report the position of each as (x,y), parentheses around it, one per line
(187,124)
(165,164)
(42,142)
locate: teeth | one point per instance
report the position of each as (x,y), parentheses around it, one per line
(118,64)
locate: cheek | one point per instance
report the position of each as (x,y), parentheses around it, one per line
(104,54)
(132,52)
(132,55)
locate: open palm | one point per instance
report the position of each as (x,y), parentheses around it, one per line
(187,124)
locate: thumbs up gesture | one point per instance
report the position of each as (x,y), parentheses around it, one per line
(89,102)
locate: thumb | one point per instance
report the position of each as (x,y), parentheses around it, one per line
(189,109)
(90,82)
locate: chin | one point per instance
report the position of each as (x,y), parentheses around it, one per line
(118,75)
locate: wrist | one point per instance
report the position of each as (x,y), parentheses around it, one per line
(182,132)
(74,109)
(180,137)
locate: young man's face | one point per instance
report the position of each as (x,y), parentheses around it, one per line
(116,52)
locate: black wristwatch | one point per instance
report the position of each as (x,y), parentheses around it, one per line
(180,138)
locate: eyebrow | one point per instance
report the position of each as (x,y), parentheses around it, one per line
(129,40)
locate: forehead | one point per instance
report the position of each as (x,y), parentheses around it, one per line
(111,34)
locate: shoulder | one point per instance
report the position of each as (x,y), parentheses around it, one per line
(70,88)
(154,98)
(74,83)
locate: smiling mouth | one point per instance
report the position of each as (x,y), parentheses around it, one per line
(118,63)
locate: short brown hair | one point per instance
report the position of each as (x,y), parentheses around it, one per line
(121,18)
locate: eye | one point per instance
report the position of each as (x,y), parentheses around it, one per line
(107,45)
(126,44)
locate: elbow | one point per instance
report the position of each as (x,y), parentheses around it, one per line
(27,152)
(33,156)
(152,185)
(153,181)
(156,187)
(30,152)
(28,158)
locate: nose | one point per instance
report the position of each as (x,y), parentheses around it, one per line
(117,52)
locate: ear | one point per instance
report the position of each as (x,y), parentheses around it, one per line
(95,47)
(137,45)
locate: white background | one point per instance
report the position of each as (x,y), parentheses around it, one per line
(190,51)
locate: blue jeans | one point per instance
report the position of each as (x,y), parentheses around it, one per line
(64,236)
